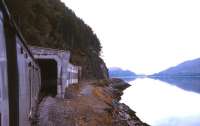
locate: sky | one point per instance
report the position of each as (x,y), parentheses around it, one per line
(145,36)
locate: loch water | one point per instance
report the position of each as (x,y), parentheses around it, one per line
(166,101)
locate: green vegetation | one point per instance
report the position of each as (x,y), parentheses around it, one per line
(49,23)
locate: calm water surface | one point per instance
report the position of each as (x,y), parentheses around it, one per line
(160,103)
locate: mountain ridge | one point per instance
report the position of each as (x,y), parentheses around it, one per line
(187,68)
(118,72)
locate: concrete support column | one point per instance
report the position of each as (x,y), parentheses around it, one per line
(59,82)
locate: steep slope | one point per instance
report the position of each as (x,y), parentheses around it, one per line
(188,68)
(49,23)
(118,72)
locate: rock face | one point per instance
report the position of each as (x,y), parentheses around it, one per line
(90,103)
(49,23)
(93,67)
(119,84)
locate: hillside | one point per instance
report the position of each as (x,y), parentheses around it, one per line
(188,68)
(118,72)
(49,23)
(95,100)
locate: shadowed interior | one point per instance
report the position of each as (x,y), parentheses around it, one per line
(48,76)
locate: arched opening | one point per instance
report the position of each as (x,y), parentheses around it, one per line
(48,76)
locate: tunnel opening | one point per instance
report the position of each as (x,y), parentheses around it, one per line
(49,79)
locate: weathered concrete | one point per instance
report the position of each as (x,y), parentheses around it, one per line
(67,73)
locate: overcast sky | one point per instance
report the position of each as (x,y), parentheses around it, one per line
(145,36)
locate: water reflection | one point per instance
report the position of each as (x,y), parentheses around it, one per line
(186,83)
(162,104)
(127,79)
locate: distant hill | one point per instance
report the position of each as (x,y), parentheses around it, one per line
(188,68)
(118,72)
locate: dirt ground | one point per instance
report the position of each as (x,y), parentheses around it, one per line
(89,103)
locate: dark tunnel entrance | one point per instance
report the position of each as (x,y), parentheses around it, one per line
(48,76)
